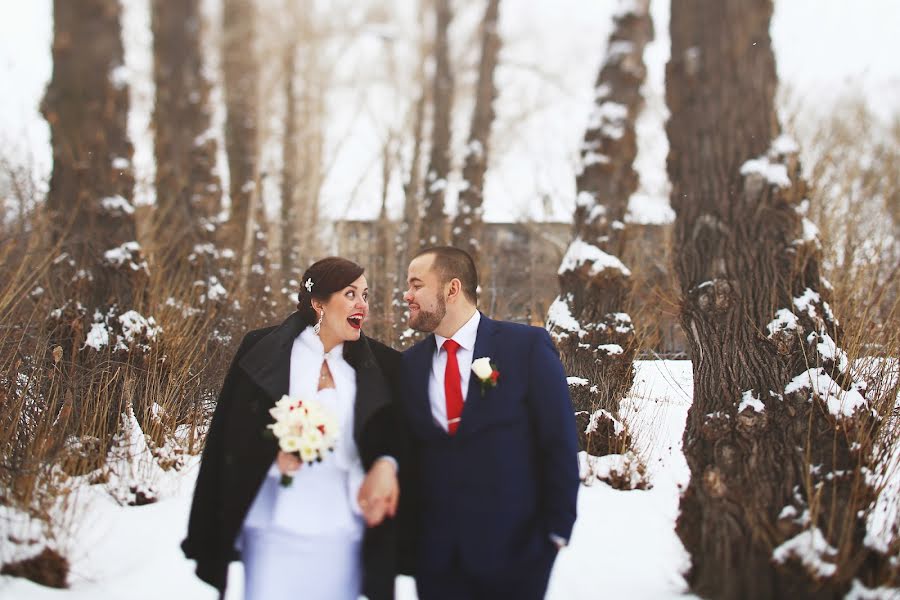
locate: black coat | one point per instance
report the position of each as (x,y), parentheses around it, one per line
(238,451)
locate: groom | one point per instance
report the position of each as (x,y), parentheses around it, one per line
(495,486)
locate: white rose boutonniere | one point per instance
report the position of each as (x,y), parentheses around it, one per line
(486,372)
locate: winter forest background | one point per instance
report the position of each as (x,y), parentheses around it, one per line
(700,201)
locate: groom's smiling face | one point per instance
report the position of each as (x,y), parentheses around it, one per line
(425,295)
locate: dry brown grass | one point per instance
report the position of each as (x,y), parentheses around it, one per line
(852,162)
(72,416)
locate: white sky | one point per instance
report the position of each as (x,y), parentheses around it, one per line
(826,48)
(552,48)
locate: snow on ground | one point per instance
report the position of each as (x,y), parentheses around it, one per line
(624,543)
(623,546)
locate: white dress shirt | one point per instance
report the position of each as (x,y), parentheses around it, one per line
(465,337)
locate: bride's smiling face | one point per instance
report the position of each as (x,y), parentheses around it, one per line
(345,312)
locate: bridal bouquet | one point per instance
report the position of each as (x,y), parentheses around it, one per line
(303,428)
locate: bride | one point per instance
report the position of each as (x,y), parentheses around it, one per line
(330,534)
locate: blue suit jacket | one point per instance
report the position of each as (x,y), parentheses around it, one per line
(492,493)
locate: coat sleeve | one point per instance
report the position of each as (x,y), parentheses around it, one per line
(390,438)
(205,522)
(386,435)
(557,441)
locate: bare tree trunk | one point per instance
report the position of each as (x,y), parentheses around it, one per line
(383,278)
(303,143)
(594,333)
(467,226)
(408,230)
(188,192)
(241,128)
(412,190)
(92,181)
(310,144)
(773,464)
(289,175)
(312,153)
(434,223)
(100,265)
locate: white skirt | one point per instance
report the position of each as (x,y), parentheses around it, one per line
(280,565)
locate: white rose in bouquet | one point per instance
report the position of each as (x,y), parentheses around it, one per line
(302,428)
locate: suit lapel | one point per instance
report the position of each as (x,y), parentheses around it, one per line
(484,347)
(420,363)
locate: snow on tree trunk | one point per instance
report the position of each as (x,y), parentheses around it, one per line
(188,192)
(434,223)
(778,429)
(594,334)
(466,231)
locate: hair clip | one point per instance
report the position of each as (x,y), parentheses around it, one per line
(308,285)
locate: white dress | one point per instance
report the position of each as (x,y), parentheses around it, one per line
(304,541)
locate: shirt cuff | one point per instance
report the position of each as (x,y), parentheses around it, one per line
(391,460)
(558,540)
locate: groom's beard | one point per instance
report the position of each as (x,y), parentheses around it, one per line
(428,321)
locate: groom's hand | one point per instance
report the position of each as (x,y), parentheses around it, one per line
(379,493)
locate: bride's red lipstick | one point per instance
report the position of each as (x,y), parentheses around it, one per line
(355,320)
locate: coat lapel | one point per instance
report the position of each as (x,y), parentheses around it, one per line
(484,346)
(418,369)
(268,363)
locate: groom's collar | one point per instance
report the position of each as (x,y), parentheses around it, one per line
(465,336)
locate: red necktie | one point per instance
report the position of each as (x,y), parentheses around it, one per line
(452,387)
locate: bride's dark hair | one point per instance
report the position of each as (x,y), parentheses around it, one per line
(322,279)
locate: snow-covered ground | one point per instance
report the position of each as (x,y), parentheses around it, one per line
(624,544)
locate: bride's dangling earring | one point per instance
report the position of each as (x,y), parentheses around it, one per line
(318,326)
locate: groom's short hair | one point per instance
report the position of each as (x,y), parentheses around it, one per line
(451,262)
